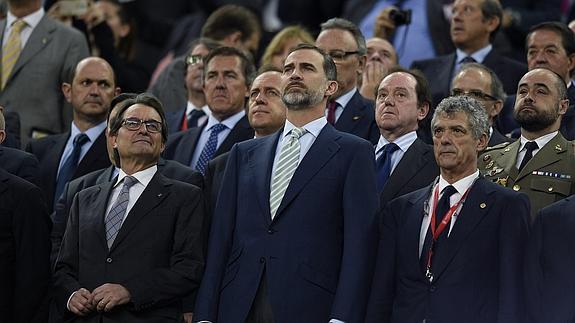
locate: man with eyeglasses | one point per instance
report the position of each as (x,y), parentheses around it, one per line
(541,162)
(347,110)
(133,247)
(480,82)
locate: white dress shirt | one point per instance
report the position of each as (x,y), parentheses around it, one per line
(403,142)
(541,141)
(92,133)
(32,20)
(342,103)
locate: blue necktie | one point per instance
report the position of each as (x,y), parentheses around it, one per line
(69,167)
(383,165)
(210,147)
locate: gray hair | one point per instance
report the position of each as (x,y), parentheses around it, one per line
(340,23)
(476,115)
(496,88)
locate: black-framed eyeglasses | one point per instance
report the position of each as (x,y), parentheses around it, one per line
(476,94)
(340,55)
(194,59)
(134,124)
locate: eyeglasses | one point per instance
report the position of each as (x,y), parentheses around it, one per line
(194,59)
(340,55)
(476,94)
(134,124)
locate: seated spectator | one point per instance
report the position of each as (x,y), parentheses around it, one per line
(380,57)
(284,41)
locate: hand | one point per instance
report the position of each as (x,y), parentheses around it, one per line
(108,296)
(373,73)
(384,26)
(188,317)
(94,16)
(81,302)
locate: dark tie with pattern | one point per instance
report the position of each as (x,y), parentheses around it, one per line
(210,147)
(69,167)
(331,107)
(117,213)
(383,165)
(530,146)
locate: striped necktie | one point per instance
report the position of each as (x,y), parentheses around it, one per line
(286,166)
(117,213)
(11,50)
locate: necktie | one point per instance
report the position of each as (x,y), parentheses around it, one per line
(440,210)
(210,147)
(286,166)
(69,167)
(530,146)
(11,50)
(468,59)
(117,213)
(383,165)
(331,107)
(193,118)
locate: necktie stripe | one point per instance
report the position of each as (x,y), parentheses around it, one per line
(11,51)
(113,220)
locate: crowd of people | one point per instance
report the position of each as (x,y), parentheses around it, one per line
(278,161)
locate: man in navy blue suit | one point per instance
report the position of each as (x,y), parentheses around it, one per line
(293,235)
(453,252)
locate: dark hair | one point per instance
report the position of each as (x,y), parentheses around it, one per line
(120,98)
(328,65)
(344,24)
(421,85)
(492,9)
(567,36)
(145,99)
(248,68)
(496,87)
(209,43)
(229,19)
(126,46)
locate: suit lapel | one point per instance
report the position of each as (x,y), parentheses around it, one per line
(413,225)
(321,151)
(96,212)
(549,154)
(187,145)
(240,132)
(353,112)
(93,156)
(260,161)
(444,73)
(52,160)
(156,191)
(408,167)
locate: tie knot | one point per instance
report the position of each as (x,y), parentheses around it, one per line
(81,139)
(217,128)
(448,191)
(129,181)
(468,59)
(18,25)
(331,105)
(297,132)
(390,148)
(196,113)
(531,146)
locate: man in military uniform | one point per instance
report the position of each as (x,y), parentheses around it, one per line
(540,164)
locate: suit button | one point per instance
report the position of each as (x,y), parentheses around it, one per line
(550,189)
(262,260)
(109,260)
(432,289)
(271,231)
(516,187)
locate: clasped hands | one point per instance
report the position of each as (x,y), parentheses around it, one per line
(102,299)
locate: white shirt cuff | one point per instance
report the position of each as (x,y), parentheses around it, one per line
(68,302)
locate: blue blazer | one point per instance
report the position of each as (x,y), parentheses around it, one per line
(358,118)
(318,250)
(478,274)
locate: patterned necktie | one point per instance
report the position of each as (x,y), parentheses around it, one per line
(468,59)
(118,211)
(383,165)
(11,50)
(69,167)
(286,166)
(210,147)
(530,146)
(331,107)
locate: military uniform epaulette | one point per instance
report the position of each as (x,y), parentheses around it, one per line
(501,145)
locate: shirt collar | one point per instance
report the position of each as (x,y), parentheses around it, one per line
(144,176)
(313,127)
(32,20)
(478,56)
(229,122)
(403,142)
(92,133)
(541,141)
(462,185)
(344,99)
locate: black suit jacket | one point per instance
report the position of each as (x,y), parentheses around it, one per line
(49,150)
(439,71)
(19,163)
(358,118)
(181,146)
(213,180)
(157,255)
(174,120)
(12,119)
(416,169)
(24,251)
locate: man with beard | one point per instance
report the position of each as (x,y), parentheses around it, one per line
(541,163)
(293,233)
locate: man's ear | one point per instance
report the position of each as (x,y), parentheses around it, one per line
(423,110)
(67,91)
(482,143)
(331,88)
(2,136)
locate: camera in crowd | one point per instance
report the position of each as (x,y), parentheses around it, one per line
(400,17)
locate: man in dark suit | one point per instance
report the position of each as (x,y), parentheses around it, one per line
(404,163)
(24,246)
(15,161)
(473,27)
(481,83)
(227,78)
(148,228)
(459,241)
(292,234)
(83,149)
(347,110)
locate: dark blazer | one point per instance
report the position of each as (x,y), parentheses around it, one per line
(181,146)
(19,163)
(416,169)
(358,118)
(24,251)
(213,179)
(549,264)
(439,71)
(317,251)
(567,127)
(174,120)
(12,120)
(478,272)
(49,150)
(157,254)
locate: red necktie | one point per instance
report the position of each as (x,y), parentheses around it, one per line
(331,106)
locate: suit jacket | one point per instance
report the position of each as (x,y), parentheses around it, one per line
(317,251)
(477,272)
(19,163)
(174,120)
(33,89)
(358,118)
(548,177)
(416,169)
(567,128)
(549,266)
(24,251)
(157,254)
(49,151)
(181,146)
(213,179)
(12,120)
(439,72)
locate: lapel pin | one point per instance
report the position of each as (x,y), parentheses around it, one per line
(482,205)
(356,118)
(558,147)
(507,149)
(43,40)
(486,158)
(160,195)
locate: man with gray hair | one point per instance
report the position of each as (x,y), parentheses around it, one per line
(347,110)
(459,241)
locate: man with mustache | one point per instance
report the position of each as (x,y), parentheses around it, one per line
(541,162)
(293,233)
(228,74)
(63,157)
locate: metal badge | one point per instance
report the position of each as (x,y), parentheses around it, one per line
(486,158)
(429,275)
(482,205)
(558,147)
(489,165)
